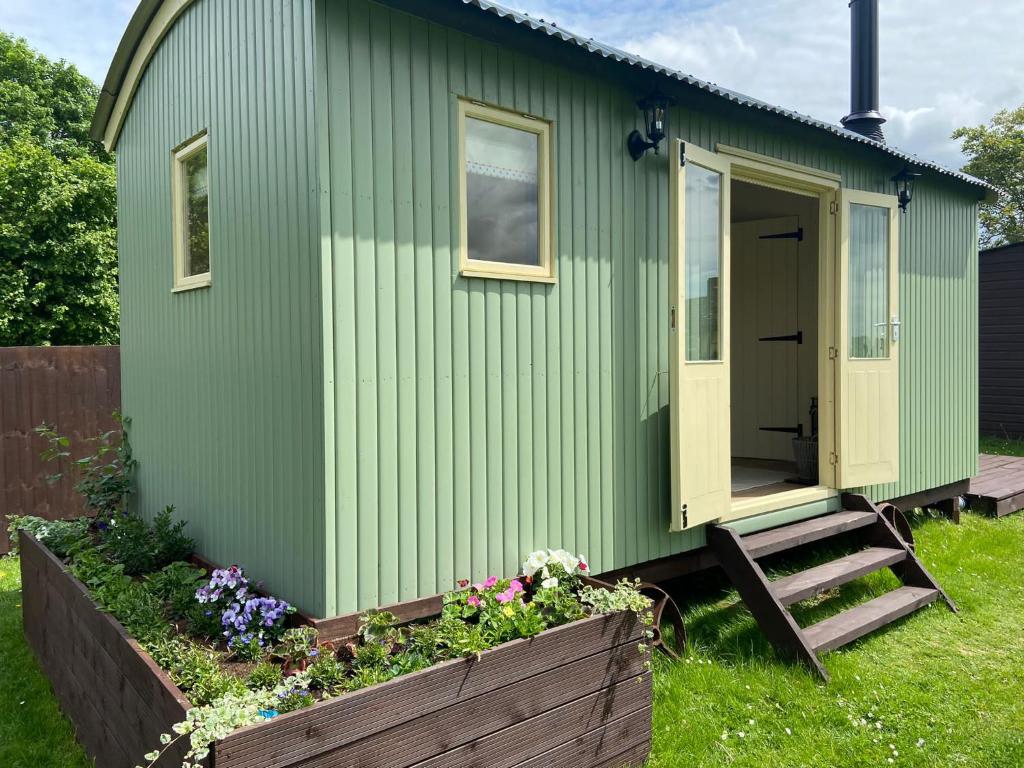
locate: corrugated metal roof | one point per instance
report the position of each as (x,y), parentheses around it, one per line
(605,51)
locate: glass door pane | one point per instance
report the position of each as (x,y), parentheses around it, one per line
(703,263)
(869,281)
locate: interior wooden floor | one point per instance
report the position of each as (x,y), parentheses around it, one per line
(754,478)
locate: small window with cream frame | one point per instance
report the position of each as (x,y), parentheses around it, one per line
(505,189)
(190,196)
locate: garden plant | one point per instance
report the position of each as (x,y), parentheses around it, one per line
(239,654)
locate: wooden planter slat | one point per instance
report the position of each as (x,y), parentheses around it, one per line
(592,748)
(538,735)
(576,695)
(119,700)
(450,727)
(634,757)
(153,685)
(285,739)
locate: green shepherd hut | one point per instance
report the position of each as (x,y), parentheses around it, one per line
(410,289)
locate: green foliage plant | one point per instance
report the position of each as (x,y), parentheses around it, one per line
(142,548)
(58,206)
(264,675)
(327,673)
(298,647)
(62,537)
(176,584)
(996,154)
(105,475)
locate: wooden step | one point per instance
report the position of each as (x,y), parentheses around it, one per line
(815,529)
(814,581)
(847,626)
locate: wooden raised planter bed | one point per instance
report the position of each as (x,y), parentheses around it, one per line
(577,695)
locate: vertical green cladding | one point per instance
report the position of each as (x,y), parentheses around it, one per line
(468,420)
(938,341)
(224,384)
(478,419)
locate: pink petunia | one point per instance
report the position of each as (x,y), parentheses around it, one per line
(515,586)
(463,583)
(474,601)
(491,581)
(505,597)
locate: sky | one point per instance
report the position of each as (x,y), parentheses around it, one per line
(944,63)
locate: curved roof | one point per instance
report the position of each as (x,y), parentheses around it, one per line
(140,40)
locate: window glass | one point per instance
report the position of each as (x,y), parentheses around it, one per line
(703,262)
(502,202)
(197,217)
(869,281)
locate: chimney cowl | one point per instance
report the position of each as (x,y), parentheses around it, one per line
(864,117)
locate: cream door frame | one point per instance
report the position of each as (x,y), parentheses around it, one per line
(802,180)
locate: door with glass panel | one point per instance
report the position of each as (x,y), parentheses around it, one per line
(699,323)
(869,340)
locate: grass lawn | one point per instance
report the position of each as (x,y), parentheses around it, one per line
(1001,446)
(33,733)
(936,689)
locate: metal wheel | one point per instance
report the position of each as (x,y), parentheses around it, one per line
(665,609)
(898,521)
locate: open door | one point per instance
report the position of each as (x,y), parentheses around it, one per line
(869,332)
(699,365)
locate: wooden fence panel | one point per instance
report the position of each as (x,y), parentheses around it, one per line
(75,389)
(1001,348)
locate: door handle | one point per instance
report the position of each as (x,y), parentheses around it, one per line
(895,324)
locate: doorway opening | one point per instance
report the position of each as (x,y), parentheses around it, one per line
(774,345)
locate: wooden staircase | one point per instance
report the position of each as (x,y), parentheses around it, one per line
(879,546)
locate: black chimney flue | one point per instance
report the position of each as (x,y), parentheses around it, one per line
(864,117)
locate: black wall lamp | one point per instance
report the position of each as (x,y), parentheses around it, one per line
(655,109)
(905,186)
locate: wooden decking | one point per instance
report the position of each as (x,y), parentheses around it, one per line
(999,486)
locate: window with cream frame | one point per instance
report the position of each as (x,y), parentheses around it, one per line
(190,198)
(505,190)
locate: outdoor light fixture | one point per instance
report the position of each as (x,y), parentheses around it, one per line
(905,186)
(655,109)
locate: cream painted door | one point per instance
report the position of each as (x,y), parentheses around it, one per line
(699,322)
(869,340)
(765,372)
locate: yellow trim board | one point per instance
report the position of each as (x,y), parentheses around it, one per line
(544,272)
(781,169)
(748,507)
(179,186)
(157,29)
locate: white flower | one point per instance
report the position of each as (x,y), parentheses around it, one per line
(920,743)
(534,562)
(789,732)
(564,559)
(741,734)
(550,582)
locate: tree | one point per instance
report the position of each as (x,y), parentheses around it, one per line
(58,212)
(996,153)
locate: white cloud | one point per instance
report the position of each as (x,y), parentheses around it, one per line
(945,63)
